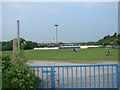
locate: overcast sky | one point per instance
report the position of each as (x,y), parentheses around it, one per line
(78,21)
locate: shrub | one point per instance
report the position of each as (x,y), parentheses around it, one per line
(17,75)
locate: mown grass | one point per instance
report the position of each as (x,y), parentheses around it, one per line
(91,54)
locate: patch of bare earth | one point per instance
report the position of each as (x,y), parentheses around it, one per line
(57,62)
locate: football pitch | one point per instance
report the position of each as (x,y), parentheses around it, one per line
(68,55)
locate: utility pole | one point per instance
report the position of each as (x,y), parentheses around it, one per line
(18,37)
(56,34)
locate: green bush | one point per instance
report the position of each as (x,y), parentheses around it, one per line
(17,75)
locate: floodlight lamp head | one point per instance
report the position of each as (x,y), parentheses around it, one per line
(56,25)
(17,20)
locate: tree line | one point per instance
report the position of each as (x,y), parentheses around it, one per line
(113,40)
(110,40)
(25,45)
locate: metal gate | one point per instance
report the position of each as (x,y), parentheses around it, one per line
(80,76)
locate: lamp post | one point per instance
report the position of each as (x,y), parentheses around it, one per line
(56,34)
(18,36)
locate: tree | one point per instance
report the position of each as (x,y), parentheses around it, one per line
(110,40)
(115,34)
(24,45)
(17,76)
(7,45)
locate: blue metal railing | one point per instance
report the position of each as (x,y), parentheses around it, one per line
(79,76)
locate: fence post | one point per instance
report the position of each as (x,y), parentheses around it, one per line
(52,77)
(117,75)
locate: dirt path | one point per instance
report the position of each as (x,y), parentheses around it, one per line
(56,62)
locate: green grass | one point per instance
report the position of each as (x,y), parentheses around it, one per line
(91,54)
